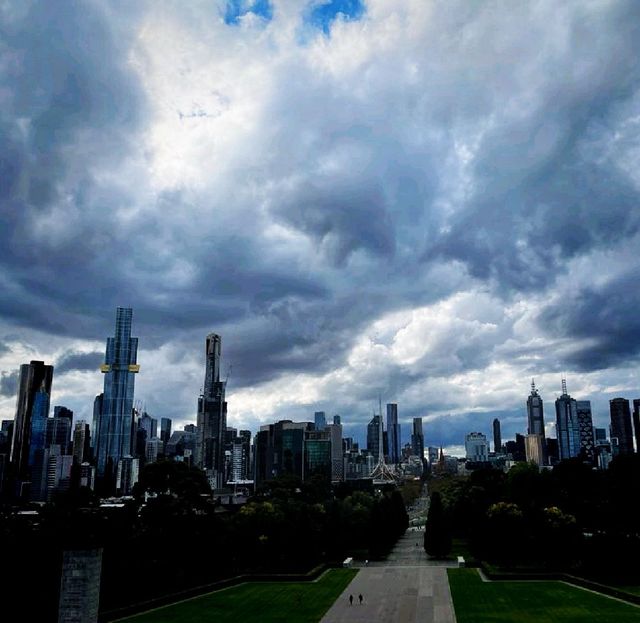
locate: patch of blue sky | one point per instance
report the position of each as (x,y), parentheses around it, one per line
(236,9)
(325,12)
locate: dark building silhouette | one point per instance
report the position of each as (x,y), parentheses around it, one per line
(165,429)
(636,422)
(417,438)
(497,436)
(585,424)
(81,442)
(393,433)
(35,377)
(212,415)
(621,431)
(516,448)
(375,436)
(279,449)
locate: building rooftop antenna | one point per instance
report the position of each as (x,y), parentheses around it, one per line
(564,386)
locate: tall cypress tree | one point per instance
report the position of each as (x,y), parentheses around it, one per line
(437,538)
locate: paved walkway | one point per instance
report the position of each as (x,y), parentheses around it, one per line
(405,588)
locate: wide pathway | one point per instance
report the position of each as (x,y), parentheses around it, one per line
(405,588)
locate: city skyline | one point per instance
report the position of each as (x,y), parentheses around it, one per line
(362,201)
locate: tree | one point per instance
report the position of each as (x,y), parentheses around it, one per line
(437,537)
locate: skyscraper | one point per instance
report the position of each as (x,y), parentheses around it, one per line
(535,412)
(337,454)
(81,439)
(621,425)
(114,439)
(374,436)
(497,436)
(320,420)
(567,426)
(165,429)
(393,431)
(585,425)
(417,438)
(212,415)
(34,377)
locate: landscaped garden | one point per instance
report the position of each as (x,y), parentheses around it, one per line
(266,602)
(476,601)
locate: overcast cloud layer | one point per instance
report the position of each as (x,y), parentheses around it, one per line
(431,201)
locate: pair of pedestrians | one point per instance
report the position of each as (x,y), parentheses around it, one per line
(351,599)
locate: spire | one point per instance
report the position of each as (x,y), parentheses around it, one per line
(533,387)
(564,386)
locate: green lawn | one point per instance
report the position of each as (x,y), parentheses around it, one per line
(268,602)
(476,601)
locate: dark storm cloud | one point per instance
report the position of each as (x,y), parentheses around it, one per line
(364,171)
(603,321)
(83,362)
(9,383)
(70,105)
(545,188)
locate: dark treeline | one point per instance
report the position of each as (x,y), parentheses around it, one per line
(569,518)
(180,539)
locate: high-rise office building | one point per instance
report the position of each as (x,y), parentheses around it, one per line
(320,420)
(34,377)
(39,427)
(476,447)
(81,442)
(567,426)
(393,432)
(585,425)
(149,425)
(165,429)
(636,422)
(317,454)
(621,431)
(212,416)
(375,442)
(58,431)
(497,436)
(337,454)
(127,473)
(114,431)
(535,412)
(336,419)
(417,438)
(279,449)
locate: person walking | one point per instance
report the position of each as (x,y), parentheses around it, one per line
(351,600)
(360,598)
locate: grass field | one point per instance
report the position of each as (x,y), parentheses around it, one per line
(266,602)
(476,601)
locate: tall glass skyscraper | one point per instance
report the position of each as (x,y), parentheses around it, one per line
(212,415)
(115,420)
(567,425)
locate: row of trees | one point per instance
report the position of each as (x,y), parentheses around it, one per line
(180,539)
(569,517)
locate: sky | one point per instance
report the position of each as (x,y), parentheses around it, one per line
(427,202)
